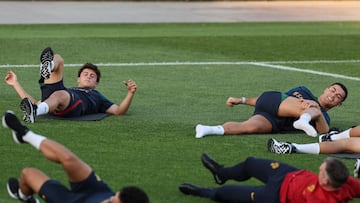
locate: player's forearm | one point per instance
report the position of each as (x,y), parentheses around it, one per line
(251,101)
(321,125)
(125,104)
(241,100)
(22,93)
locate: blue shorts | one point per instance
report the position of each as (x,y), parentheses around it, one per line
(48,89)
(267,105)
(270,172)
(75,107)
(89,190)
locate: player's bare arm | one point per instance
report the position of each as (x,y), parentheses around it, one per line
(123,107)
(231,101)
(11,80)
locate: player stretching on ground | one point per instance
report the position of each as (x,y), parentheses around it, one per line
(85,185)
(67,102)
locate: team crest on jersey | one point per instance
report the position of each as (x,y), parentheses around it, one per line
(297,95)
(274,165)
(311,188)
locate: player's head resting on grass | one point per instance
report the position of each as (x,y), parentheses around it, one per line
(92,67)
(343,87)
(333,96)
(333,173)
(132,194)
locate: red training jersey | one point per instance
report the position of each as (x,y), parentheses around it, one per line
(303,187)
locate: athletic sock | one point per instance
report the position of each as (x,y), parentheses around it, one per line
(33,139)
(343,135)
(312,148)
(52,65)
(23,196)
(203,130)
(303,124)
(42,108)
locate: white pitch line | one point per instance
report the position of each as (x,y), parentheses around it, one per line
(193,63)
(306,71)
(313,62)
(268,64)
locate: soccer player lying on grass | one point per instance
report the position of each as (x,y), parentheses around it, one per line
(86,186)
(334,142)
(282,183)
(296,109)
(67,102)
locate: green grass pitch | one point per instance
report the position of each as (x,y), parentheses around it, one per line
(185,73)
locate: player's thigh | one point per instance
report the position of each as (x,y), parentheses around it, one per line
(290,107)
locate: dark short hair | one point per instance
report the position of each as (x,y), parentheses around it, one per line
(132,194)
(92,67)
(337,172)
(342,87)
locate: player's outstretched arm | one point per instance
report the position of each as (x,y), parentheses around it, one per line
(123,107)
(232,101)
(11,80)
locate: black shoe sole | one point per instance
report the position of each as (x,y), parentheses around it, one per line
(46,56)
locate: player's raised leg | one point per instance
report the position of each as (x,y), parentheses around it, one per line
(76,169)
